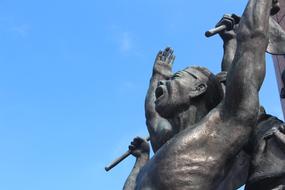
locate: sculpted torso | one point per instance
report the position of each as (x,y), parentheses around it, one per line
(173,168)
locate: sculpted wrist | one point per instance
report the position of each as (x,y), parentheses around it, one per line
(229,39)
(163,70)
(230,44)
(143,156)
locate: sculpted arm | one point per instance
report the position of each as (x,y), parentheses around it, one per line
(239,111)
(139,149)
(159,128)
(229,38)
(232,123)
(229,52)
(248,68)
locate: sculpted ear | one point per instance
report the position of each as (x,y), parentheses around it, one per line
(199,90)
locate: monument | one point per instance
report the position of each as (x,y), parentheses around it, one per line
(209,131)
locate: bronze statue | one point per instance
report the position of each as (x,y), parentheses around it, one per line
(207,131)
(198,148)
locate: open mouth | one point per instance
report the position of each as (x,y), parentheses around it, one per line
(158,92)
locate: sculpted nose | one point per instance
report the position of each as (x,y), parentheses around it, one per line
(161,82)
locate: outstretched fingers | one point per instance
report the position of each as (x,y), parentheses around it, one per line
(166,56)
(163,63)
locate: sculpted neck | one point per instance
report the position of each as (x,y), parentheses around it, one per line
(188,117)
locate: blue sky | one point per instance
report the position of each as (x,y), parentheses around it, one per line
(73,77)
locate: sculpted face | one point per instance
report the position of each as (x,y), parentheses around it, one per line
(174,95)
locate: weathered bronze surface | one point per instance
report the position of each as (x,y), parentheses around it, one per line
(209,131)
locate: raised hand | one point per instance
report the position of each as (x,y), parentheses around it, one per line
(139,147)
(163,62)
(231,22)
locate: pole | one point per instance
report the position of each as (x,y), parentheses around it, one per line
(121,158)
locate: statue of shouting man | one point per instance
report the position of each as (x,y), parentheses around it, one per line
(194,131)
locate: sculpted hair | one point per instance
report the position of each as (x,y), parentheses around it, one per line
(214,93)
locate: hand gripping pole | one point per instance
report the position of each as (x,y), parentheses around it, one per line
(119,159)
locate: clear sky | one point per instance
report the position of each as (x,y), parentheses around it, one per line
(73,77)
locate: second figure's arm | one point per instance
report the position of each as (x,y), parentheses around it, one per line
(140,149)
(229,38)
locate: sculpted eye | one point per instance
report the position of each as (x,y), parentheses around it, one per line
(193,76)
(176,75)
